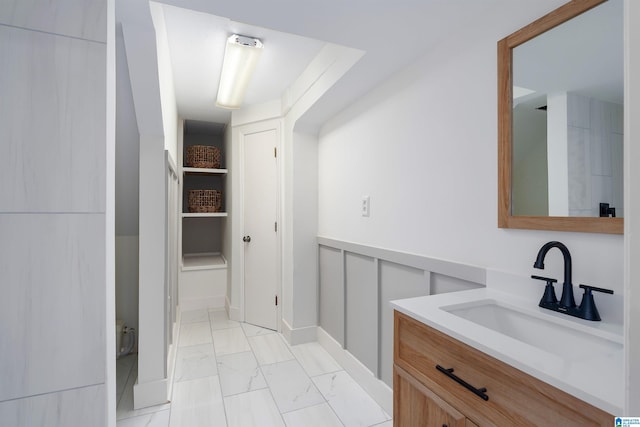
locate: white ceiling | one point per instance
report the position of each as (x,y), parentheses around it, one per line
(392,33)
(196,43)
(584,55)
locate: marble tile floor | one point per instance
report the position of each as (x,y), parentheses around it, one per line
(238,375)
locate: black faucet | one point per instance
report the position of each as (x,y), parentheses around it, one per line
(567,304)
(566,300)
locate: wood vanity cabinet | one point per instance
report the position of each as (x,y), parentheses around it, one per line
(416,405)
(425,396)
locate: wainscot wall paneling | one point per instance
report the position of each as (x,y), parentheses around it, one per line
(331,292)
(361,309)
(356,283)
(397,281)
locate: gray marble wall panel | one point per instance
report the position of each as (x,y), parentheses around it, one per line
(52,309)
(595,155)
(579,169)
(52,122)
(617,158)
(331,292)
(601,130)
(361,283)
(52,212)
(397,281)
(79,407)
(578,111)
(617,119)
(85,19)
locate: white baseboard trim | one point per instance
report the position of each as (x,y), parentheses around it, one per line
(173,350)
(298,335)
(232,312)
(151,393)
(171,364)
(188,304)
(377,389)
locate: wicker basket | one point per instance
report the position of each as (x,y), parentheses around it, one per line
(205,201)
(203,156)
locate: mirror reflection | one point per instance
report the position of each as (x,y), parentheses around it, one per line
(568,118)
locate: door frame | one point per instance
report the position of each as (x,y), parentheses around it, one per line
(243,131)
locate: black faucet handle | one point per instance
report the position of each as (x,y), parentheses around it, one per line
(549,297)
(588,288)
(546,279)
(587,309)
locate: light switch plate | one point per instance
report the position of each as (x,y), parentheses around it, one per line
(365,205)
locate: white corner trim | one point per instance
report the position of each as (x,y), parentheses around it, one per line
(377,389)
(299,335)
(151,393)
(232,312)
(173,352)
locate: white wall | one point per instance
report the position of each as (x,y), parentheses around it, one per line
(299,186)
(126,257)
(529,195)
(423,146)
(142,60)
(110,217)
(228,224)
(126,192)
(557,152)
(165,77)
(55,212)
(305,226)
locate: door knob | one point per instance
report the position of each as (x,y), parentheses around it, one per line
(246,239)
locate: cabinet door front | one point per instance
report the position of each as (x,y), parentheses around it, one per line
(415,405)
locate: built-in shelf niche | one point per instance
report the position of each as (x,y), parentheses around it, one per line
(203,261)
(202,232)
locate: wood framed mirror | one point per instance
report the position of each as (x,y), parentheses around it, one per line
(561,215)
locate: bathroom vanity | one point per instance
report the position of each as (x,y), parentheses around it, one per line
(492,356)
(482,357)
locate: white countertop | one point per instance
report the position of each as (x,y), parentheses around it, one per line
(596,380)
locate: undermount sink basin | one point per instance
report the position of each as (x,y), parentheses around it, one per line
(563,338)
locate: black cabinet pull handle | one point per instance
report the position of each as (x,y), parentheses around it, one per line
(480,392)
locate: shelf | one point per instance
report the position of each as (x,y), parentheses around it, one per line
(204,171)
(203,261)
(203,215)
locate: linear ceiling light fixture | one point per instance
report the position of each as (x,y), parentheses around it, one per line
(240,59)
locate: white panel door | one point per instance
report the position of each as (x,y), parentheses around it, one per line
(260,230)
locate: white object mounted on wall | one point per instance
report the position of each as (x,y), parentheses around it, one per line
(241,56)
(365,205)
